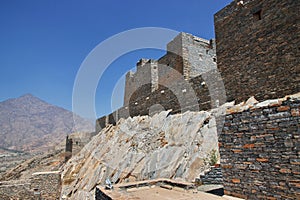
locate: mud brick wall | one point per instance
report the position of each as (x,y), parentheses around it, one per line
(258,48)
(260,152)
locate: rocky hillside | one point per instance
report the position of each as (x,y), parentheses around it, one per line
(163,146)
(49,161)
(27,123)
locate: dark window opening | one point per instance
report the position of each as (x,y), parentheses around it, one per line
(214,59)
(200,56)
(257,15)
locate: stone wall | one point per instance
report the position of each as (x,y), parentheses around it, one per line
(68,148)
(186,78)
(42,185)
(47,183)
(145,75)
(258,48)
(75,142)
(176,81)
(16,190)
(259,150)
(193,95)
(213,176)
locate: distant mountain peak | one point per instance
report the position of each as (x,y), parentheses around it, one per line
(28,123)
(26,95)
(29,96)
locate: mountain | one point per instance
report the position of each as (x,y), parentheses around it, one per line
(28,123)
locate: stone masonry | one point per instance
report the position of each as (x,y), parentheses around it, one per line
(258,48)
(181,80)
(48,184)
(213,176)
(258,55)
(42,185)
(189,55)
(259,150)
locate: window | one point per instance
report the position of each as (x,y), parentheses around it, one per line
(200,57)
(257,15)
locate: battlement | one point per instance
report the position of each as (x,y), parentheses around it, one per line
(189,55)
(146,76)
(257,56)
(231,9)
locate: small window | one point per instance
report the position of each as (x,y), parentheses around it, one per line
(200,57)
(215,59)
(257,15)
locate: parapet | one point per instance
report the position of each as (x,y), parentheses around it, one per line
(230,9)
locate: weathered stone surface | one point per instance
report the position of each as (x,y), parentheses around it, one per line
(262,162)
(42,185)
(213,176)
(139,148)
(258,48)
(185,79)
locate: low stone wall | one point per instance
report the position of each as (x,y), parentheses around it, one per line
(214,177)
(259,150)
(47,183)
(42,185)
(15,190)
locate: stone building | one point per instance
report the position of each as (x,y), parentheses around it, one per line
(189,55)
(183,79)
(258,48)
(258,55)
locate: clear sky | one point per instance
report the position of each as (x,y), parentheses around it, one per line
(44,42)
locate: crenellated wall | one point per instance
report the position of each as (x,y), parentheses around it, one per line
(179,81)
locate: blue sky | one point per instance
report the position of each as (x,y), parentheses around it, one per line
(43,43)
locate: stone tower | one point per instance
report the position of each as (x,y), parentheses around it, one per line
(258,48)
(189,55)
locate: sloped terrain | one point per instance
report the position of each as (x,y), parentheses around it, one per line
(50,161)
(163,146)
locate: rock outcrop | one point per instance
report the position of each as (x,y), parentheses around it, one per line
(139,148)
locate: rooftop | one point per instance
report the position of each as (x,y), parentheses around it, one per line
(162,189)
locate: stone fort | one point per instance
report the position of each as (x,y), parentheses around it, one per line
(181,80)
(256,53)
